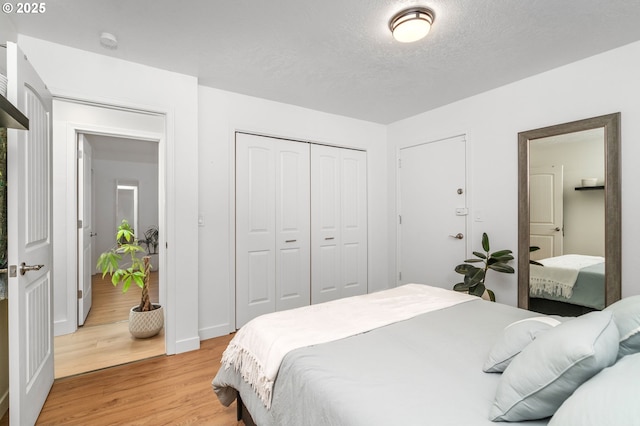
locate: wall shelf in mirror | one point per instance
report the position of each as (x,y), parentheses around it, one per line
(11,117)
(589,188)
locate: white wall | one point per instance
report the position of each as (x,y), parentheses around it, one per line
(599,85)
(106,174)
(220,114)
(74,73)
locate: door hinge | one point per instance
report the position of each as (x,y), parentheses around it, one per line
(399,163)
(400,276)
(400,219)
(79,294)
(80,224)
(79,155)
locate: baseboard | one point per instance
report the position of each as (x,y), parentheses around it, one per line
(215,331)
(62,327)
(4,403)
(187,345)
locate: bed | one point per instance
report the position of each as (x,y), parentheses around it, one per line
(425,369)
(575,279)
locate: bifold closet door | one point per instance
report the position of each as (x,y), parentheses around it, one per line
(272,226)
(338,223)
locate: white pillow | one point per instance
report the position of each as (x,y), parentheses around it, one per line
(515,337)
(551,367)
(608,398)
(626,314)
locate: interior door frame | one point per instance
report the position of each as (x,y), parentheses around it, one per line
(75,129)
(468,199)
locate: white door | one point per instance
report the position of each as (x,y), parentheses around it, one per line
(272,226)
(546,211)
(432,222)
(29,233)
(85,229)
(338,223)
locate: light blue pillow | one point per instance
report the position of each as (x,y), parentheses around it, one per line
(551,367)
(611,397)
(626,314)
(515,337)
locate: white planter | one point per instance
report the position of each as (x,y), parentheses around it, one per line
(145,324)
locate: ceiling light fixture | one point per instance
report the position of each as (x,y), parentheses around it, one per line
(109,41)
(412,24)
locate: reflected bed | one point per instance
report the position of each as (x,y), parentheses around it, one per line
(574,279)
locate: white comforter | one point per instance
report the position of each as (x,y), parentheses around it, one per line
(258,348)
(559,274)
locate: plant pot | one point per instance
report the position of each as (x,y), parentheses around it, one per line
(146,324)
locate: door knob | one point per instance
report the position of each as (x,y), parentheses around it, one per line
(557,229)
(458,236)
(24,268)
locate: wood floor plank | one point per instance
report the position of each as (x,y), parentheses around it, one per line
(163,390)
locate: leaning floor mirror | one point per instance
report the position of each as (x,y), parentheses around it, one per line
(569,216)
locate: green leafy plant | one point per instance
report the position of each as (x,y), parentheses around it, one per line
(474,277)
(531,261)
(124,266)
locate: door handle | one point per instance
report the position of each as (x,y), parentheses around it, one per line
(329,238)
(557,229)
(290,241)
(458,236)
(93,234)
(24,268)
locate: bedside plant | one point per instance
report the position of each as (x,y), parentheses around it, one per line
(474,277)
(124,266)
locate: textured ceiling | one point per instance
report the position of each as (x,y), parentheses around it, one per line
(338,55)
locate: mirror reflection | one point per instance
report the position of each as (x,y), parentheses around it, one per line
(569,216)
(566,207)
(127,203)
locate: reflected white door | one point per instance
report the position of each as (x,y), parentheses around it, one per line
(29,233)
(85,229)
(432,186)
(338,223)
(546,211)
(272,226)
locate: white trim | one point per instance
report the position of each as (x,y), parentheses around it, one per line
(165,180)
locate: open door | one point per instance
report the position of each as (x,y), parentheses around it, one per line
(546,211)
(29,213)
(85,228)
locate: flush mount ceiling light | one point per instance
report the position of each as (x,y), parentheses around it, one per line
(109,41)
(412,24)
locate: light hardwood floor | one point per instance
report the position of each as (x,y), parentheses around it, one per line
(166,390)
(104,340)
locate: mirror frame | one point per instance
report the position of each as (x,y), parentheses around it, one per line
(613,224)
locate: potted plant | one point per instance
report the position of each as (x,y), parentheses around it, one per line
(124,266)
(474,277)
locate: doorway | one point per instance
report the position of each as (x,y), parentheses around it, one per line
(117,179)
(119,170)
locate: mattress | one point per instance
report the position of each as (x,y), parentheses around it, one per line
(425,370)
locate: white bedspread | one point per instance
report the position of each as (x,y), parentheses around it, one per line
(258,348)
(559,274)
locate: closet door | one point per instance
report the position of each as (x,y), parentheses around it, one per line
(338,223)
(272,226)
